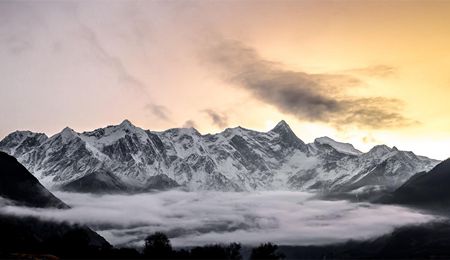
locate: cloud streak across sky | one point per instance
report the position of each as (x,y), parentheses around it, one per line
(198,218)
(312,97)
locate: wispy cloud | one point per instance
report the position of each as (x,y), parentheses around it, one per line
(311,97)
(373,71)
(115,63)
(219,119)
(159,111)
(189,124)
(198,218)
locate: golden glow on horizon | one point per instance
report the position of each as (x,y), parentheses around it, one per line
(159,56)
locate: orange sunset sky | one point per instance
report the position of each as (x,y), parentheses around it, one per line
(364,72)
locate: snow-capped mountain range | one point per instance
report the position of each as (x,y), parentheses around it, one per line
(126,158)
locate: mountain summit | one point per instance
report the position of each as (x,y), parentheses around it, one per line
(126,158)
(341,147)
(282,126)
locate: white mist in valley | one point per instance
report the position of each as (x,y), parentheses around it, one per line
(199,218)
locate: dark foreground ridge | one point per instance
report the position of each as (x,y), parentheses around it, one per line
(427,190)
(21,237)
(415,242)
(19,186)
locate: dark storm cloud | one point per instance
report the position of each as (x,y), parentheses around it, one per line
(312,97)
(159,111)
(221,120)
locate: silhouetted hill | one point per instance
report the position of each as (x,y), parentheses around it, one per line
(426,190)
(19,185)
(33,236)
(414,242)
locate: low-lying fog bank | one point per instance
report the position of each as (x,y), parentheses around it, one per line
(199,218)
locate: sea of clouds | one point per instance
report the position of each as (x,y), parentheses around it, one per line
(199,218)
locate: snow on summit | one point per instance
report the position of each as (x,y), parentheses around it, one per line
(341,147)
(126,158)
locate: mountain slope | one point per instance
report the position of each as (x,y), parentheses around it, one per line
(98,182)
(32,235)
(427,189)
(127,158)
(429,241)
(29,235)
(20,186)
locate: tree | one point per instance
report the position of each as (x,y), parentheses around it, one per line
(267,251)
(230,252)
(157,246)
(234,251)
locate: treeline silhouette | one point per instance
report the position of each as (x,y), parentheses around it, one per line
(412,242)
(158,246)
(75,245)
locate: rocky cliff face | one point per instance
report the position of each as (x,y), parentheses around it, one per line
(127,158)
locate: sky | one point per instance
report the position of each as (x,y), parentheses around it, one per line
(364,72)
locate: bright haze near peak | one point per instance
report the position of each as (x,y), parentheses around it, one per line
(360,72)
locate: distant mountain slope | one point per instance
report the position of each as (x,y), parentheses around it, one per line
(20,186)
(427,189)
(97,182)
(106,182)
(127,158)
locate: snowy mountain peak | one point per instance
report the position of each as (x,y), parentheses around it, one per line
(111,134)
(68,134)
(231,131)
(381,148)
(281,126)
(128,158)
(21,141)
(125,127)
(180,132)
(345,148)
(21,134)
(126,124)
(67,130)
